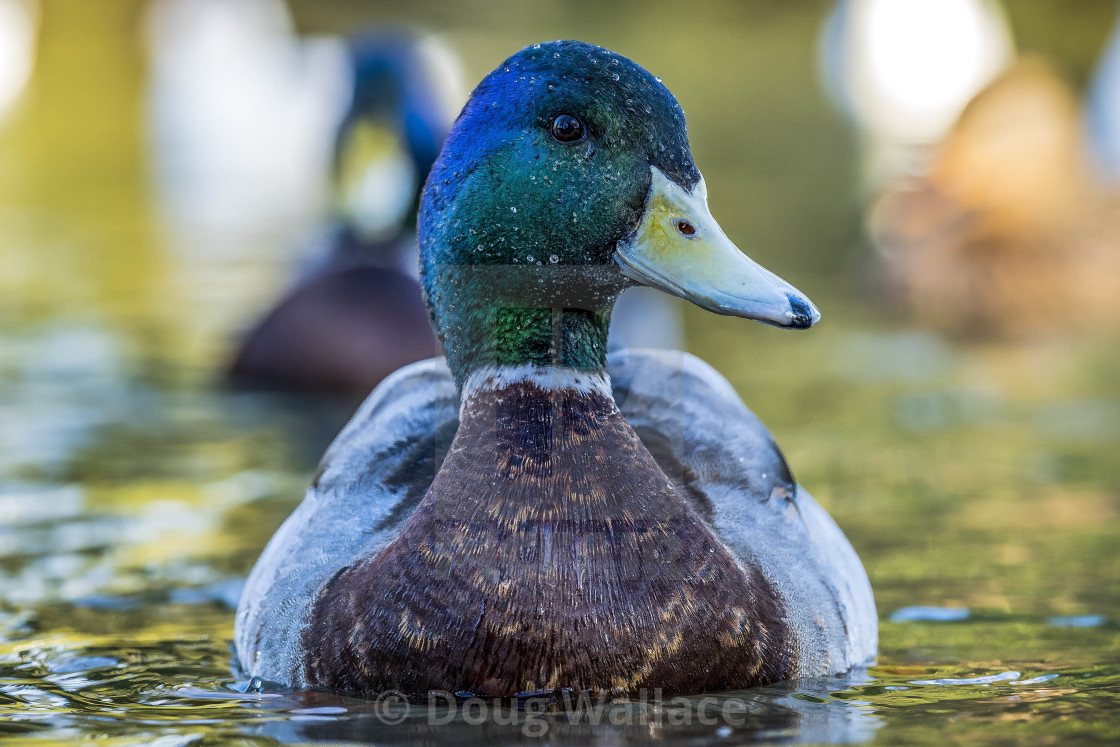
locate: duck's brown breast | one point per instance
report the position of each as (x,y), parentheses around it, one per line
(550,551)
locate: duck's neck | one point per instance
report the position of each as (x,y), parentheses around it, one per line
(545,382)
(555,343)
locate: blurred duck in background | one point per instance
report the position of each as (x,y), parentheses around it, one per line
(902,71)
(18,22)
(358,314)
(1007,234)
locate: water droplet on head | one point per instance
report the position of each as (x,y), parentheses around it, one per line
(615,76)
(511,207)
(553,259)
(530,258)
(657,78)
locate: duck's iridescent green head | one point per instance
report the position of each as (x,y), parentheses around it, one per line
(566,179)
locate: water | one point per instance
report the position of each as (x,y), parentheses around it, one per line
(978,483)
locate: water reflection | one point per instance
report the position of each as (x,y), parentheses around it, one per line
(1078,621)
(82,677)
(91,680)
(796,712)
(931,614)
(41,429)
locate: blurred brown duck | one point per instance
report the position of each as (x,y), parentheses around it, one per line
(359,315)
(1007,234)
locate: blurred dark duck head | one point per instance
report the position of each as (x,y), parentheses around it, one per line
(399,113)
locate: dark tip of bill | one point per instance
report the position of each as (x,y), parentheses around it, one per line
(802,313)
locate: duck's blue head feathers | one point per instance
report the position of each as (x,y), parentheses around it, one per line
(567,195)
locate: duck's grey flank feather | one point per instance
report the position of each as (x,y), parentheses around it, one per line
(756,509)
(689,418)
(352,510)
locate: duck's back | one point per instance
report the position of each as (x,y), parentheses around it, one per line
(710,445)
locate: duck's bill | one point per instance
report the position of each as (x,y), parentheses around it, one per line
(679,248)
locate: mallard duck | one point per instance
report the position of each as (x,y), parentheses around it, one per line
(358,315)
(1007,233)
(528,512)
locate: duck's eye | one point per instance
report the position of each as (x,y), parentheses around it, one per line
(686,228)
(566,128)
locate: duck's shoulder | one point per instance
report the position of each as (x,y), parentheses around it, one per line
(729,465)
(371,477)
(410,417)
(694,423)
